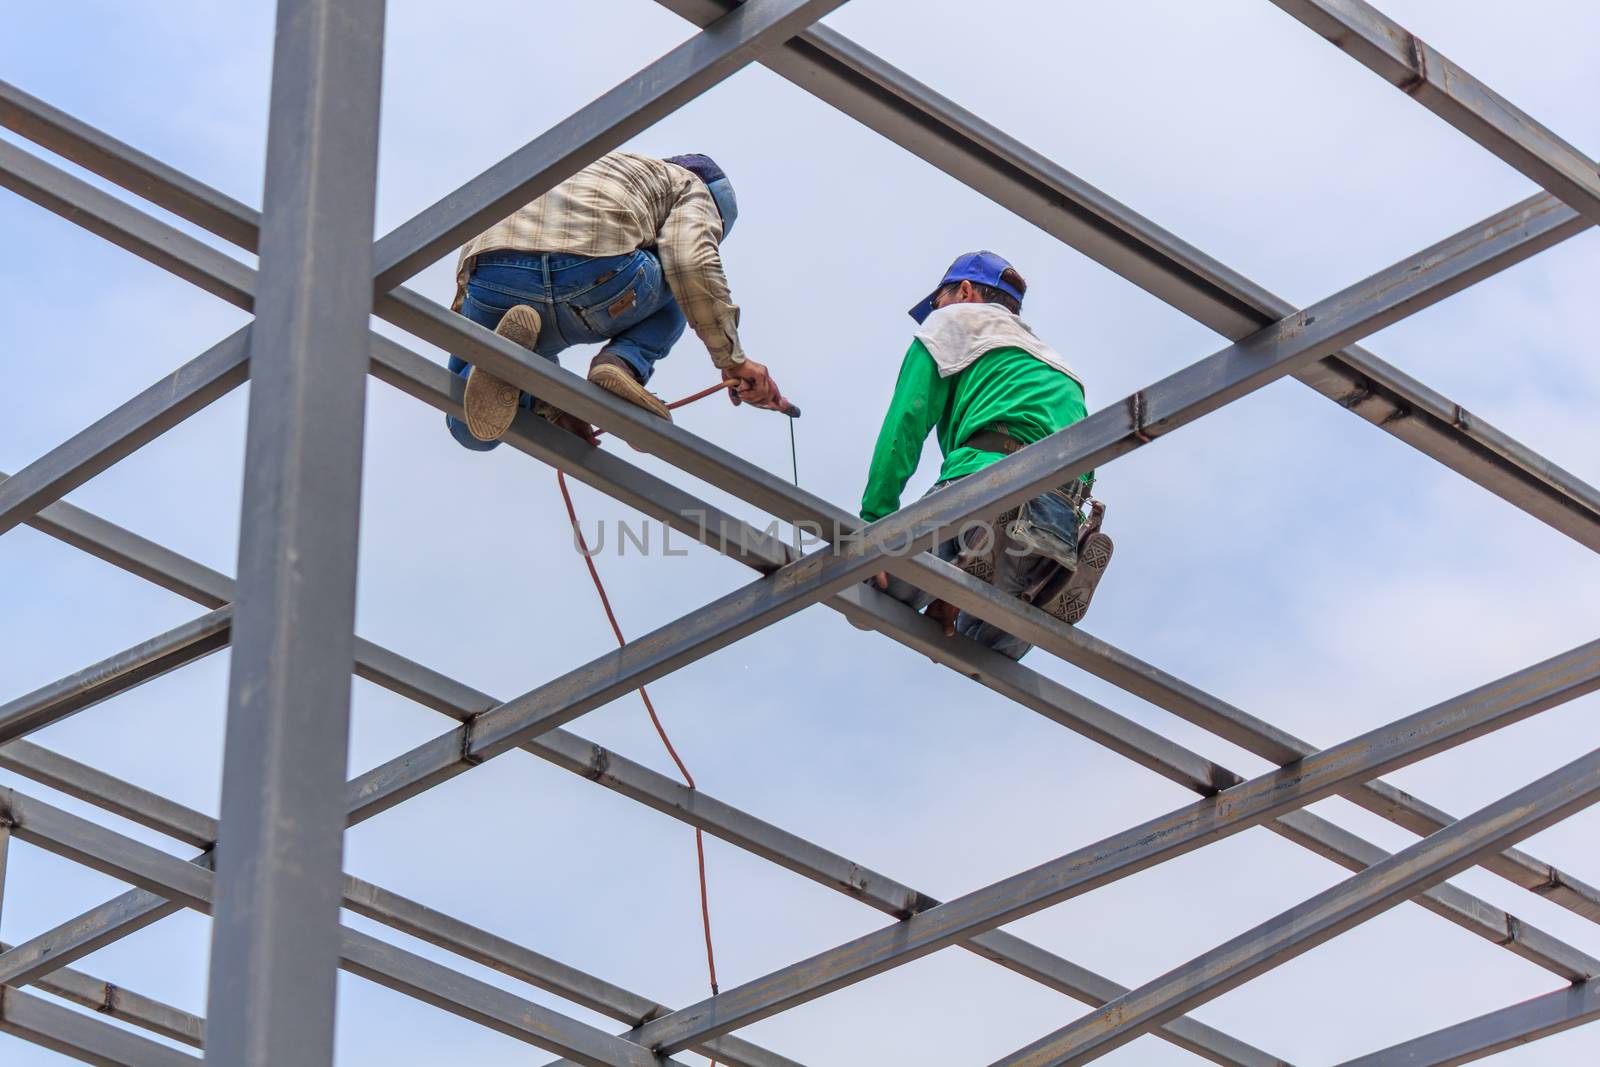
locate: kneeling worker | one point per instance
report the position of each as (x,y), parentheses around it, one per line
(980,376)
(624,252)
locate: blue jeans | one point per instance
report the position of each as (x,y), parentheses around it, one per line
(1047,520)
(581,300)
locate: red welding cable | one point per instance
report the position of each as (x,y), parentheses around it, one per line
(649,706)
(690,399)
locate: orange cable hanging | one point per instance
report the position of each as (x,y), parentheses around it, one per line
(649,706)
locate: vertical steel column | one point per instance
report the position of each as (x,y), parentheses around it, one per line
(275,940)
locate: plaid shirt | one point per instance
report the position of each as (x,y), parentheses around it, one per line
(619,204)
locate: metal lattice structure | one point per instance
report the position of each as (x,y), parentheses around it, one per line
(288,617)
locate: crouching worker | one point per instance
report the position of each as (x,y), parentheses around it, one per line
(984,380)
(624,253)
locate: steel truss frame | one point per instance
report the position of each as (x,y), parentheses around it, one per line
(289,619)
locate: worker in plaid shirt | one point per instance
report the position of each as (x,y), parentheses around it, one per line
(624,253)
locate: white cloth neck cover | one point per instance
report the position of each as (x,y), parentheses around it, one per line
(957,334)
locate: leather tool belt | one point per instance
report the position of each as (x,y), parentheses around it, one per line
(996,439)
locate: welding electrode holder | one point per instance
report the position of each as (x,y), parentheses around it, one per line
(789,409)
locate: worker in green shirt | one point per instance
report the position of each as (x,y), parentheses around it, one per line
(979,376)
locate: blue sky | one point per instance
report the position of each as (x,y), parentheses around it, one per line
(1282,554)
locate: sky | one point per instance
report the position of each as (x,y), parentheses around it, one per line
(1281,554)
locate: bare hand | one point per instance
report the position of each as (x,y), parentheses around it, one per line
(944,614)
(749,383)
(881,580)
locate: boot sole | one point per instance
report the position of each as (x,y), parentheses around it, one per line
(1093,558)
(490,403)
(620,383)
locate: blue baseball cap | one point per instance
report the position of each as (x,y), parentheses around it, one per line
(983,268)
(705,168)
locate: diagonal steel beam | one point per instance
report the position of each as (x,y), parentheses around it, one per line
(208,377)
(576,755)
(726,46)
(1169,404)
(192,885)
(181,645)
(1188,702)
(1461,908)
(82,1037)
(701,810)
(1342,907)
(376,903)
(1165,691)
(930,126)
(1405,741)
(118,1003)
(132,230)
(1568,965)
(100,153)
(1411,65)
(121,431)
(1497,1031)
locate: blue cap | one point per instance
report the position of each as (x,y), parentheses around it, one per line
(727,203)
(983,268)
(705,168)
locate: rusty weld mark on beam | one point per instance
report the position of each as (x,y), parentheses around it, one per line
(1136,412)
(470,758)
(1417,59)
(599,762)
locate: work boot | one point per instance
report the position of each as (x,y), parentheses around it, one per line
(1072,604)
(491,402)
(977,545)
(615,376)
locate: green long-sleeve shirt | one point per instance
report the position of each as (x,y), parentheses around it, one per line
(1005,385)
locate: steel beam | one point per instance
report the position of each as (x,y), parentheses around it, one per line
(273,949)
(100,153)
(912,115)
(1411,65)
(406,371)
(1405,741)
(726,46)
(1565,963)
(381,905)
(1497,1031)
(1160,409)
(1488,922)
(108,793)
(1253,734)
(577,755)
(124,225)
(191,885)
(207,377)
(33,959)
(930,126)
(181,645)
(124,1004)
(1325,916)
(82,1037)
(609,769)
